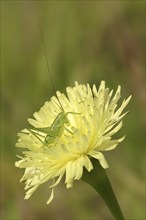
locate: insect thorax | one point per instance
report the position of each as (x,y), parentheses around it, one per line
(60,121)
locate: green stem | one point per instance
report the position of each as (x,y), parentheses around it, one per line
(98,179)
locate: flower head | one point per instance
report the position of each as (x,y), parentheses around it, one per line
(57,146)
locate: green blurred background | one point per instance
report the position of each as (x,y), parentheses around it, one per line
(86,41)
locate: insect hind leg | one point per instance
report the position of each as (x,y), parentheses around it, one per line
(37,136)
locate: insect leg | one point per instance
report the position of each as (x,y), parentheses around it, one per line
(73,113)
(68,130)
(36,135)
(44,129)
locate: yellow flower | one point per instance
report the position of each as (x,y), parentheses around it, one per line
(95,118)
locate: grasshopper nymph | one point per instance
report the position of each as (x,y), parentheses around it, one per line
(59,124)
(56,129)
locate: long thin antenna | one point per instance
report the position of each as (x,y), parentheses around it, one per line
(43,40)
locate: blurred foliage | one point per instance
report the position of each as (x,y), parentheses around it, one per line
(86,41)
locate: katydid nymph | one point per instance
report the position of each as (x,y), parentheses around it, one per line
(60,123)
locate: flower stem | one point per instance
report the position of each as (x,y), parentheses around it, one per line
(98,179)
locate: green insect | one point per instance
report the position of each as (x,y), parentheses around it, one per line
(59,124)
(56,129)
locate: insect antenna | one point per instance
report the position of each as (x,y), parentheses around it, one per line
(50,76)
